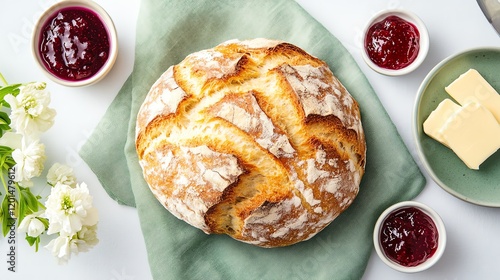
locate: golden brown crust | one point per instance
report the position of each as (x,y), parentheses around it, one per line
(255,139)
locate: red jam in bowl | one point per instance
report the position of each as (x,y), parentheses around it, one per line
(392,43)
(409,236)
(74,44)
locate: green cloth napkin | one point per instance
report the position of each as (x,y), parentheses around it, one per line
(167,31)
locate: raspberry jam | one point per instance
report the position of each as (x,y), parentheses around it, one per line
(409,236)
(74,44)
(392,43)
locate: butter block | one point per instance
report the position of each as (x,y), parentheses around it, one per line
(437,118)
(472,133)
(471,86)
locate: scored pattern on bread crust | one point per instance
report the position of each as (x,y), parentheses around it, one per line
(255,139)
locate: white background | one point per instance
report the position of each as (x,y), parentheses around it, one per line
(473,231)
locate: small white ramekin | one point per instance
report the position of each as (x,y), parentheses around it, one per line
(441,237)
(108,24)
(424,41)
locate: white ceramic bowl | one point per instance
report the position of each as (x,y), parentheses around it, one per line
(108,24)
(441,237)
(424,41)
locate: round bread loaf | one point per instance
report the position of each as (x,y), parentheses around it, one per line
(254,139)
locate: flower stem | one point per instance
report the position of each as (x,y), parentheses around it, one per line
(3,181)
(2,78)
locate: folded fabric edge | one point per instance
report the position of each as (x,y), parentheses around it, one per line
(126,201)
(118,185)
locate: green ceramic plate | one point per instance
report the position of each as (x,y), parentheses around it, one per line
(481,186)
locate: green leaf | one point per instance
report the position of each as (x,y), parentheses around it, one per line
(22,209)
(30,239)
(10,89)
(5,149)
(7,220)
(31,199)
(5,209)
(33,241)
(4,122)
(28,203)
(6,160)
(5,117)
(45,222)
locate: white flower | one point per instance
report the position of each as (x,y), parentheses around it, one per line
(86,238)
(29,162)
(62,247)
(32,225)
(60,173)
(11,139)
(29,112)
(68,209)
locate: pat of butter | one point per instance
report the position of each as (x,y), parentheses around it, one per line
(438,117)
(471,86)
(472,133)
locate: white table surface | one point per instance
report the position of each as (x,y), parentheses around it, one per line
(473,231)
